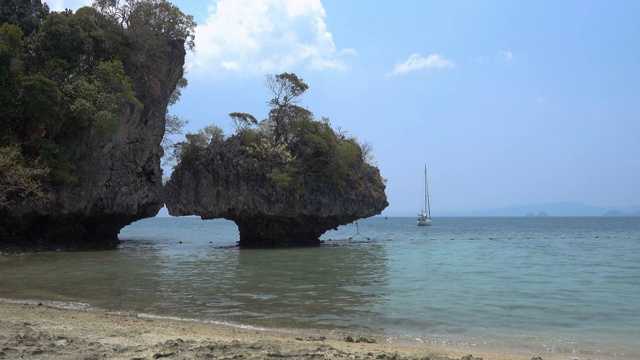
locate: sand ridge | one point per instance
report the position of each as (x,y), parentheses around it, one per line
(29,330)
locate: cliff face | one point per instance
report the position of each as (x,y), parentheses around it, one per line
(119,180)
(226,183)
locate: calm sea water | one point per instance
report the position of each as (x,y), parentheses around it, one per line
(551,285)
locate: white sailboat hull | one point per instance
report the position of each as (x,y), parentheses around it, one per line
(424,219)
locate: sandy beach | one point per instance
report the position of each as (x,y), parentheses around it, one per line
(32,330)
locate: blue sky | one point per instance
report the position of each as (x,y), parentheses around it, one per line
(506,102)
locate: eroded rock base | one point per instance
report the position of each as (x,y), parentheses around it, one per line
(267,232)
(62,234)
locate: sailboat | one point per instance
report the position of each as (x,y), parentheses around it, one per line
(424,219)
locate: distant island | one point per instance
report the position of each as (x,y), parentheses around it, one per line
(616,213)
(540,214)
(544,209)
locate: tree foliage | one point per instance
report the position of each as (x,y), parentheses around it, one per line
(242,121)
(173,125)
(65,76)
(301,150)
(194,145)
(150,25)
(26,14)
(286,89)
(18,178)
(146,17)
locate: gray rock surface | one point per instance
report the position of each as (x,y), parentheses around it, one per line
(119,181)
(226,183)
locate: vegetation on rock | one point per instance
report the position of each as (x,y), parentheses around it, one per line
(283,180)
(83,110)
(300,150)
(66,77)
(16,177)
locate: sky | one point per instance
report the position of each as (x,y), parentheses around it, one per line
(505,102)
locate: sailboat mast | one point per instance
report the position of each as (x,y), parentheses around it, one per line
(426,191)
(426,203)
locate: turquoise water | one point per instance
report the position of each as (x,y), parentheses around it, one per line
(550,285)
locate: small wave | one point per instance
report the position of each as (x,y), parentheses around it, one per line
(69,305)
(201,321)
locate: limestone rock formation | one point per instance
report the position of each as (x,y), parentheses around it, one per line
(225,181)
(119,180)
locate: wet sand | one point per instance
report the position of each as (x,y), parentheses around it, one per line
(29,330)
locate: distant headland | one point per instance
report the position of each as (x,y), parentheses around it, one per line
(541,210)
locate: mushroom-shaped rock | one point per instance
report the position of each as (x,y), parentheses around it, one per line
(278,195)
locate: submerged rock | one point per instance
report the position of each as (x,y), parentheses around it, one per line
(227,181)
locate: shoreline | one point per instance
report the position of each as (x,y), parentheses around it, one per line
(37,330)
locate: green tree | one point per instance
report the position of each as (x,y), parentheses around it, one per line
(10,39)
(152,27)
(195,144)
(65,75)
(150,18)
(297,149)
(10,44)
(58,47)
(173,125)
(27,14)
(40,101)
(242,121)
(104,39)
(95,100)
(286,89)
(20,178)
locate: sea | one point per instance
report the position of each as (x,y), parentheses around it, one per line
(561,286)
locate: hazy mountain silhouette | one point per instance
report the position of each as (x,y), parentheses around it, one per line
(550,209)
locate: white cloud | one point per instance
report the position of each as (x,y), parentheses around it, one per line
(259,37)
(635,162)
(60,5)
(479,60)
(506,54)
(417,62)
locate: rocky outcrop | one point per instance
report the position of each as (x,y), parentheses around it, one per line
(119,180)
(226,182)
